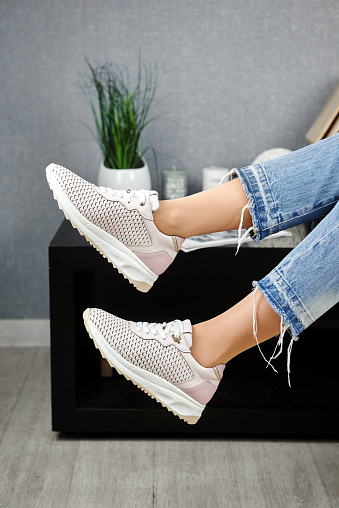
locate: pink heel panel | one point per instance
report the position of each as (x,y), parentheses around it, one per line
(202,393)
(156,261)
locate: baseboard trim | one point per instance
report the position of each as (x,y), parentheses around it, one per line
(24,332)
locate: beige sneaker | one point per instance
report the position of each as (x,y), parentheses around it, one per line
(157,358)
(119,224)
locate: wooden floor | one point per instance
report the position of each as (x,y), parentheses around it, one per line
(39,468)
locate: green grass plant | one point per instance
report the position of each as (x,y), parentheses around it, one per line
(120,111)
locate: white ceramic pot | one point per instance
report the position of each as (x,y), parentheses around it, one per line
(123,179)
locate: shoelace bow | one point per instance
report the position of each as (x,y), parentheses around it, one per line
(175,327)
(128,194)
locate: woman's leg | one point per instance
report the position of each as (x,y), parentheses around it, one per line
(298,291)
(282,193)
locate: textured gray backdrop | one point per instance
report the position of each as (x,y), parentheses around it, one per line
(236,78)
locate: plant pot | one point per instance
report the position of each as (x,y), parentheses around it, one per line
(123,179)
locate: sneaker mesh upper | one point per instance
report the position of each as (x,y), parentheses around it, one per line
(126,225)
(166,362)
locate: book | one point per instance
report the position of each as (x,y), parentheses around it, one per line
(223,238)
(334,129)
(327,122)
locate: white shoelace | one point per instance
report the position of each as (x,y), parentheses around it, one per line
(128,194)
(175,327)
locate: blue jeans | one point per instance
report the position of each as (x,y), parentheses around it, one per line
(286,192)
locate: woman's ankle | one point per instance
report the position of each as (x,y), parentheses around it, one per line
(166,218)
(202,350)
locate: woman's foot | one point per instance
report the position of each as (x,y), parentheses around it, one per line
(119,224)
(157,358)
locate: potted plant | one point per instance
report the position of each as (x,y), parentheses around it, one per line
(120,115)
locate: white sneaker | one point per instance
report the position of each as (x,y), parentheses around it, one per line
(158,359)
(119,224)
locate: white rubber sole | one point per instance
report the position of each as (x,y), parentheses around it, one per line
(121,257)
(171,397)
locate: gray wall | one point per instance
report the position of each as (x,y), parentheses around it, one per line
(237,77)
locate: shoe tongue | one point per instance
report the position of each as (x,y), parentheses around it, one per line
(154,200)
(188,332)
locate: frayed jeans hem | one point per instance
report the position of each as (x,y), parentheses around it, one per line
(293,325)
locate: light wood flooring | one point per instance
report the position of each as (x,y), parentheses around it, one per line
(39,468)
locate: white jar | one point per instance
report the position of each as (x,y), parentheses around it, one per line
(211,176)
